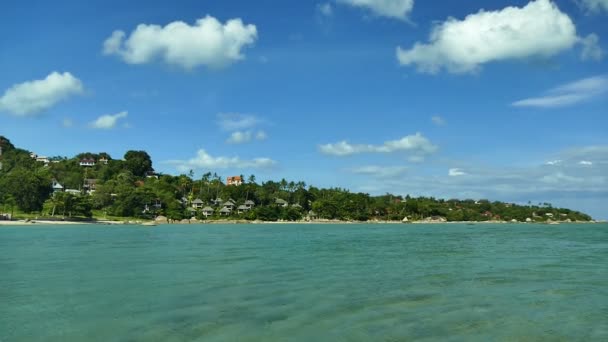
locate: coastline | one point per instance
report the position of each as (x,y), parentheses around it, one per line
(239,222)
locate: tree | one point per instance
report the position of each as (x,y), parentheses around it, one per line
(138,163)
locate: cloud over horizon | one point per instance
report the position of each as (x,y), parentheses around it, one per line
(396,9)
(416,144)
(205,161)
(208,42)
(460,46)
(32,97)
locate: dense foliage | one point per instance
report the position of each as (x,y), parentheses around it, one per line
(130,188)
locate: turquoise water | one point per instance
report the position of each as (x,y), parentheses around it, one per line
(304,283)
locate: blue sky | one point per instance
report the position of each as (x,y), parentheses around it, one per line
(504,100)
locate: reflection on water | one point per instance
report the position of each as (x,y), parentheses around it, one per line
(304,282)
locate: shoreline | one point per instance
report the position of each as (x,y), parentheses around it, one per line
(240,222)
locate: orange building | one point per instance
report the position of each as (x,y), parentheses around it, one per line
(234,180)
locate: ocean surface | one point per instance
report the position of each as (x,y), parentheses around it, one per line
(304,283)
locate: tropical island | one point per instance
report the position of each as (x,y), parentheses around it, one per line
(94,186)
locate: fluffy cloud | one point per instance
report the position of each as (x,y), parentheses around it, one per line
(108,121)
(208,42)
(204,160)
(537,29)
(595,5)
(417,144)
(568,94)
(591,48)
(398,9)
(32,97)
(241,137)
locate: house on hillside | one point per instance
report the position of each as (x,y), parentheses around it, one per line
(151,174)
(249,204)
(90,185)
(87,162)
(57,187)
(234,180)
(103,160)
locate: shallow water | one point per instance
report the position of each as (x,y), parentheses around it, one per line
(304,283)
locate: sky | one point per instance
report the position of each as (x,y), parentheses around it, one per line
(498,99)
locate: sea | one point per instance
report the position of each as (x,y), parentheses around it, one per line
(304,282)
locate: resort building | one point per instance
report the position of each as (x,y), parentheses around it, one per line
(88,162)
(225,211)
(234,180)
(103,160)
(207,211)
(197,204)
(242,209)
(281,202)
(249,204)
(57,187)
(151,174)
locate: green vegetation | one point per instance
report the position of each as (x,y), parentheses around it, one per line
(62,187)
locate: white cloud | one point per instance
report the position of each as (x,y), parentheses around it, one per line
(455,172)
(236,121)
(208,42)
(325,9)
(553,162)
(537,29)
(568,94)
(591,48)
(438,120)
(379,171)
(416,143)
(595,5)
(398,9)
(585,163)
(108,121)
(32,97)
(204,160)
(241,137)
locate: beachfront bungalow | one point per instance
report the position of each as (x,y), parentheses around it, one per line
(249,204)
(207,211)
(229,204)
(88,162)
(281,202)
(242,209)
(197,204)
(225,211)
(311,216)
(217,201)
